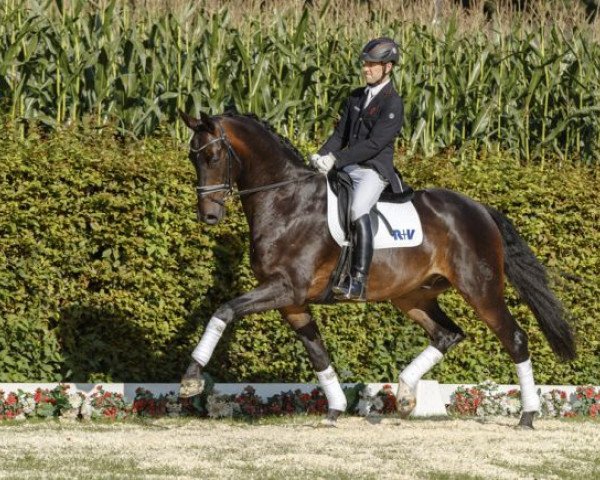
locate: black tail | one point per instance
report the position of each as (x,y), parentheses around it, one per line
(528,276)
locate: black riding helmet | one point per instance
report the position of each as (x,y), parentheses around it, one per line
(382,50)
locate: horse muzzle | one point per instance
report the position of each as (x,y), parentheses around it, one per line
(210,216)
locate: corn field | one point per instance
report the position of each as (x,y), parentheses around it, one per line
(524,83)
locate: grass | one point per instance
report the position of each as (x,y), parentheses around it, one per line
(211,449)
(561,467)
(437,475)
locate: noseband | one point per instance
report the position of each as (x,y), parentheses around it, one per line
(228,185)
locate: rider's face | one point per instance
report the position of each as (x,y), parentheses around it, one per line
(374,72)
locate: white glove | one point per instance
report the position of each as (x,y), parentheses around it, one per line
(325,162)
(313,159)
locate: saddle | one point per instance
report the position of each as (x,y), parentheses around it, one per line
(341,185)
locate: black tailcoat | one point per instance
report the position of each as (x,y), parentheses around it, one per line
(366,136)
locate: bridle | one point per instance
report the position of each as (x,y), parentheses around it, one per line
(228,186)
(202,190)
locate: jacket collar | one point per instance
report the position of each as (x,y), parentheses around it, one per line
(377,89)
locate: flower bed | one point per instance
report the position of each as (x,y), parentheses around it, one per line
(484,399)
(101,404)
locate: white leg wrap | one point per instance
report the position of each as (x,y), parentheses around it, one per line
(529,397)
(209,340)
(330,384)
(420,366)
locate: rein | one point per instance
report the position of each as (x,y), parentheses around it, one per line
(228,186)
(272,186)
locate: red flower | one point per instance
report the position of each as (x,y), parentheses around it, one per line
(305,398)
(11,399)
(110,412)
(389,404)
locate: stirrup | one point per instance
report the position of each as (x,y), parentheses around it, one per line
(341,288)
(353,288)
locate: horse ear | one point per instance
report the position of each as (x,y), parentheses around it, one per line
(207,122)
(191,122)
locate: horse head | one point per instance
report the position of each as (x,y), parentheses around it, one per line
(213,158)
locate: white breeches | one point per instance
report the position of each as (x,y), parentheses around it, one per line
(367,186)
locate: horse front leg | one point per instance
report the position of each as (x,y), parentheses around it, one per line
(268,296)
(308,333)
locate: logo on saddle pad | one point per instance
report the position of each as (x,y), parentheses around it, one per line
(394,224)
(404,234)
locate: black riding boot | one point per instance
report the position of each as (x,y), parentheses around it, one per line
(354,286)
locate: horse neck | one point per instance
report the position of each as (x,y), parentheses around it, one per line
(264,158)
(265,161)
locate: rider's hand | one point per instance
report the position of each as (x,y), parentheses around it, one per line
(313,159)
(324,163)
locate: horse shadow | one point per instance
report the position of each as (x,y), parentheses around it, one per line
(228,254)
(101,343)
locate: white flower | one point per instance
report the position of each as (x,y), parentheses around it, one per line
(218,407)
(378,403)
(557,396)
(75,400)
(70,414)
(173,409)
(28,405)
(565,408)
(364,407)
(86,409)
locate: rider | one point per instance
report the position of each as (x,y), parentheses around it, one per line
(362,145)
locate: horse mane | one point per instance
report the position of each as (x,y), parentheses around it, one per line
(296,155)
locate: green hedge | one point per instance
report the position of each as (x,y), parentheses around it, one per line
(106,275)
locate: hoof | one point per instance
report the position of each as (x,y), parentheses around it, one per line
(526,422)
(327,423)
(405,399)
(192,383)
(331,419)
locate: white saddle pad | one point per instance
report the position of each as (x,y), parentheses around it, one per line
(399,227)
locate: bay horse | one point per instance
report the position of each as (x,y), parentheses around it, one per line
(466,246)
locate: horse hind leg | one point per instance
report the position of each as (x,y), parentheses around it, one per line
(308,333)
(488,301)
(443,333)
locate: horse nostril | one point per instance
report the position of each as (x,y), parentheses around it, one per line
(211,219)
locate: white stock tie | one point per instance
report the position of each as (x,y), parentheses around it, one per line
(369,97)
